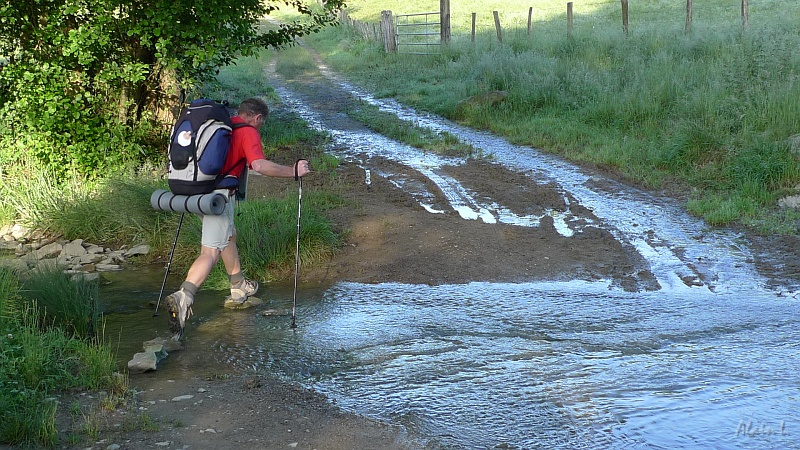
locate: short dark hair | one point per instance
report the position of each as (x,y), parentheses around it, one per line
(253,106)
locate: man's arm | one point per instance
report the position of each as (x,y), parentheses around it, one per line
(271,169)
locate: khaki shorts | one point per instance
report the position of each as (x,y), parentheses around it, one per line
(218,230)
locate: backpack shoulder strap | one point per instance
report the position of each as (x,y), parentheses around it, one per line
(240,125)
(241,162)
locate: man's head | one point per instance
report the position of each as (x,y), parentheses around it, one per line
(253,111)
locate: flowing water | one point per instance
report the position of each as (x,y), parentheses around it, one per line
(709,363)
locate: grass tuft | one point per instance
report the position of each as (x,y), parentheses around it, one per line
(267,236)
(68,304)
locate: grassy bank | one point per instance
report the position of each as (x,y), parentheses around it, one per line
(710,115)
(48,344)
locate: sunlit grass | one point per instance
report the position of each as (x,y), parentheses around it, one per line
(267,236)
(244,79)
(113,211)
(588,13)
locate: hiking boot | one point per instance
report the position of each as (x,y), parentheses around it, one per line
(180,309)
(248,288)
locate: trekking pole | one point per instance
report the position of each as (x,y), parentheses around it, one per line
(169,263)
(297,244)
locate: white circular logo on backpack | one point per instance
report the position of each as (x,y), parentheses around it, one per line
(184,138)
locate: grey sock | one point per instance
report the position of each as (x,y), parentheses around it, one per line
(190,288)
(236,279)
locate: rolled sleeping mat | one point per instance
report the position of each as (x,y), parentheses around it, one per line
(207,204)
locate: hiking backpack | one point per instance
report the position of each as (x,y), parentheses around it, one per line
(198,146)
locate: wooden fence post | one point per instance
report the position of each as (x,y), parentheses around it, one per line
(569,19)
(688,16)
(625,16)
(745,15)
(497,26)
(444,19)
(389,38)
(530,16)
(473,26)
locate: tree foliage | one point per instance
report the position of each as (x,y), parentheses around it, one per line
(84,82)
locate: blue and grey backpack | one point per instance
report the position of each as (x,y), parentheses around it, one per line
(198,146)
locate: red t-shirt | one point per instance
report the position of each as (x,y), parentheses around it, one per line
(245,146)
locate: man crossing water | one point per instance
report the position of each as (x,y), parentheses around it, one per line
(219,233)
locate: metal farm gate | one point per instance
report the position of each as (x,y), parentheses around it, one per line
(418,34)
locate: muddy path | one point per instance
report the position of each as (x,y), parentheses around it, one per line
(407,229)
(394,239)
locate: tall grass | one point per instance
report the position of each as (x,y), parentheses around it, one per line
(267,235)
(662,14)
(9,287)
(113,211)
(32,196)
(714,109)
(276,249)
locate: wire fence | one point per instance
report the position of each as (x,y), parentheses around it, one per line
(404,34)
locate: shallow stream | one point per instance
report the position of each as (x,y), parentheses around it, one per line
(707,360)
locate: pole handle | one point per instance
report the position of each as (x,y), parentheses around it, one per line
(297,177)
